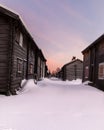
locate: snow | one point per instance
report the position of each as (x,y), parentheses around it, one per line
(53,104)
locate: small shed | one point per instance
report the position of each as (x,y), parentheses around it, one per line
(72,70)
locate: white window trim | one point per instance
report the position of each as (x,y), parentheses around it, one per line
(31,72)
(21,40)
(87,67)
(103,71)
(21,64)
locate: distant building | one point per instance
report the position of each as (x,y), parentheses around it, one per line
(20,57)
(72,70)
(93,65)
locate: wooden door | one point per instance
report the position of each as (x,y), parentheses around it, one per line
(24,69)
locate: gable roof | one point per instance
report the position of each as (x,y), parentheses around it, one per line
(72,62)
(15,16)
(9,13)
(94,43)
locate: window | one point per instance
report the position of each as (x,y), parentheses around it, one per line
(86,56)
(31,53)
(19,37)
(31,68)
(86,72)
(101,48)
(101,71)
(19,65)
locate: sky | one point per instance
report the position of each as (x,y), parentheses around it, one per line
(61,28)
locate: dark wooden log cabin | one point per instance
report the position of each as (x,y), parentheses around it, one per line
(41,63)
(93,65)
(18,52)
(72,70)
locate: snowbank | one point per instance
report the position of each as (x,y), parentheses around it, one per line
(53,105)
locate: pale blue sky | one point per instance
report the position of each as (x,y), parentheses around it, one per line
(61,28)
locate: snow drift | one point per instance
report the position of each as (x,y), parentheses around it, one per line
(53,105)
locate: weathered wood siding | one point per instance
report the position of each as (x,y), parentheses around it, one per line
(92,58)
(39,67)
(4,52)
(74,70)
(41,62)
(99,59)
(63,76)
(31,60)
(20,57)
(43,69)
(86,63)
(18,53)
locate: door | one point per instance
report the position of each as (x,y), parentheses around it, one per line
(92,65)
(24,69)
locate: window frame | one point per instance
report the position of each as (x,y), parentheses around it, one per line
(19,68)
(101,74)
(31,68)
(101,48)
(19,37)
(86,72)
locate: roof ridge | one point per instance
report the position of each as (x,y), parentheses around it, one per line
(72,62)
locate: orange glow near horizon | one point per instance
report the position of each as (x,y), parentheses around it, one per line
(61,29)
(52,65)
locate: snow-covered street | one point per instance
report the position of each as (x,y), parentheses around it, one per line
(53,105)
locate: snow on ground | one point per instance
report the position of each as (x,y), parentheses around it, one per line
(53,104)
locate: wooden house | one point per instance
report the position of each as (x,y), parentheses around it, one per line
(72,70)
(93,65)
(46,71)
(41,63)
(18,53)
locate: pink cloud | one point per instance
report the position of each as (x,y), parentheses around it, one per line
(53,64)
(66,41)
(69,10)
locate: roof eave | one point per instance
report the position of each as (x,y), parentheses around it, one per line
(93,44)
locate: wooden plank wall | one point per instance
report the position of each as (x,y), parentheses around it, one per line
(39,67)
(31,60)
(71,73)
(86,62)
(11,51)
(18,53)
(4,46)
(99,59)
